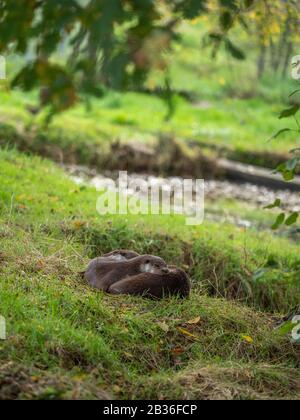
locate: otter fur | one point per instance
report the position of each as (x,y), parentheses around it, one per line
(154,285)
(121,255)
(104,271)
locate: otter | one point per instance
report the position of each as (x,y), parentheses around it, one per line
(116,255)
(121,255)
(105,271)
(155,285)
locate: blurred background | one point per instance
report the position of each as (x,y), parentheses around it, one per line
(159,88)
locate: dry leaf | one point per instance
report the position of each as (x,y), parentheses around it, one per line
(40,263)
(248,339)
(163,326)
(185,332)
(22,206)
(194,320)
(177,351)
(78,224)
(116,389)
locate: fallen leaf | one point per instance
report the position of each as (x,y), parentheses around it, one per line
(116,389)
(186,332)
(163,326)
(177,351)
(40,263)
(80,377)
(194,320)
(22,207)
(248,339)
(78,224)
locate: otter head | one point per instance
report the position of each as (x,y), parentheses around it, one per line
(152,264)
(121,255)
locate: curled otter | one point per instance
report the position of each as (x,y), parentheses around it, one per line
(104,271)
(154,285)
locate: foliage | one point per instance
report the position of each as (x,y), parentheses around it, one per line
(107,42)
(275,25)
(289,168)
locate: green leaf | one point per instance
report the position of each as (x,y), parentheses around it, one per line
(226,20)
(191,8)
(287,169)
(230,4)
(248,3)
(294,93)
(292,219)
(277,203)
(279,221)
(234,50)
(286,113)
(215,37)
(288,176)
(292,164)
(284,130)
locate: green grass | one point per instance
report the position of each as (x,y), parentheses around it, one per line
(66,340)
(233,113)
(237,129)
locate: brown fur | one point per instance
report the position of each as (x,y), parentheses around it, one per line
(174,282)
(103,272)
(116,255)
(125,254)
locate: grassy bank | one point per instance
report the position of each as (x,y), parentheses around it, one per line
(220,104)
(238,129)
(66,340)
